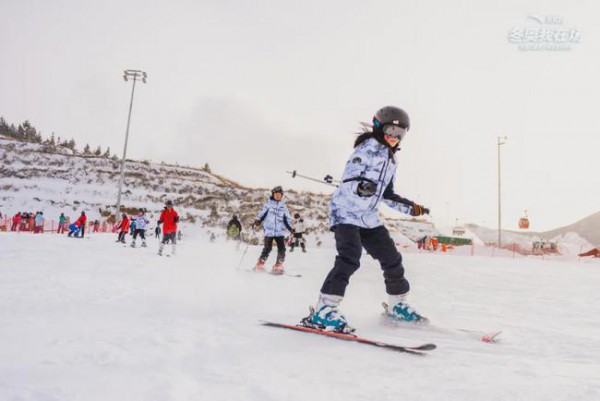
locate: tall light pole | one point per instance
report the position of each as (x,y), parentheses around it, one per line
(501,141)
(134,75)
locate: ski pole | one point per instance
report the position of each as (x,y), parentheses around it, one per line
(328,180)
(245,250)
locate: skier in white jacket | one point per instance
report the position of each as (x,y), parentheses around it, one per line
(141,222)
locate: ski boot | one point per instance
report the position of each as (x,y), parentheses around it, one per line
(278,268)
(401,311)
(327,317)
(260,266)
(144,244)
(133,244)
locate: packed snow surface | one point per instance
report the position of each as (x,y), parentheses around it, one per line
(89,319)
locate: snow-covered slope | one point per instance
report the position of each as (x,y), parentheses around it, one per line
(88,319)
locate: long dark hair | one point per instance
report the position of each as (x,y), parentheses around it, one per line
(377,134)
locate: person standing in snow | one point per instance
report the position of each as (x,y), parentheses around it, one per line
(275,218)
(39,223)
(131,226)
(169,219)
(82,220)
(234,228)
(62,224)
(123,228)
(141,221)
(368,180)
(16,222)
(299,229)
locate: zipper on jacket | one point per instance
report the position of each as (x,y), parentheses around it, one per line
(381,181)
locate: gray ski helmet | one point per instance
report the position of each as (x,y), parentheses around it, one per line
(391,115)
(277,189)
(169,203)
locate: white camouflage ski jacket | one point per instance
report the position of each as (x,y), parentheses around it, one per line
(275,218)
(370,162)
(141,222)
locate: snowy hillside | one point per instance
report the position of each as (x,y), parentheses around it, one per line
(88,319)
(55,179)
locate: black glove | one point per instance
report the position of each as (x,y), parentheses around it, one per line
(159,222)
(256,223)
(418,210)
(366,189)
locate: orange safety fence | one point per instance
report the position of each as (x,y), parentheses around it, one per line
(53,226)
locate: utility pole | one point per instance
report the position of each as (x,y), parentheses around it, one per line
(133,75)
(501,141)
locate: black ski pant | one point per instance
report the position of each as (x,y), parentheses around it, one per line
(170,237)
(121,237)
(297,240)
(141,233)
(280,241)
(349,241)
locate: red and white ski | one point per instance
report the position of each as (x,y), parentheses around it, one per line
(416,350)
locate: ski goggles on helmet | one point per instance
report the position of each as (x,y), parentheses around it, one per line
(395,131)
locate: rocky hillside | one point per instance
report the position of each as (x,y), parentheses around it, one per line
(54,179)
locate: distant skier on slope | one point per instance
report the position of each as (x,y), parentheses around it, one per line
(275,218)
(299,229)
(169,219)
(368,180)
(78,228)
(141,221)
(234,228)
(62,223)
(16,222)
(123,228)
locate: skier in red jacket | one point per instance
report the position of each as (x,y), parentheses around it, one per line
(123,228)
(169,219)
(81,223)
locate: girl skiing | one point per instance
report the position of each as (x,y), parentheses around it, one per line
(275,218)
(368,180)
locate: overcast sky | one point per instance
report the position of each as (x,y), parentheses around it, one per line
(255,88)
